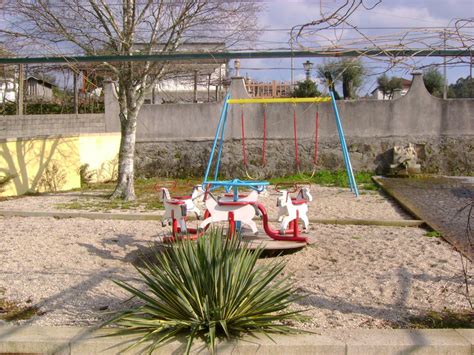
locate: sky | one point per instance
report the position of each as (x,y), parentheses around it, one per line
(389,13)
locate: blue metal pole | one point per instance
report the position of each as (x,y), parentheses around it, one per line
(345,152)
(219,125)
(221,144)
(341,139)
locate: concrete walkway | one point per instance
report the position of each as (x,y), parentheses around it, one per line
(443,202)
(75,340)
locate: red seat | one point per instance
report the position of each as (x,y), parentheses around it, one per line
(182,197)
(232,195)
(174,201)
(233,203)
(298,201)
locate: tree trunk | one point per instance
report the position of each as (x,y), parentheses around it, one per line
(346,90)
(125,189)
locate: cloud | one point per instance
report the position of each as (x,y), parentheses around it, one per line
(401,13)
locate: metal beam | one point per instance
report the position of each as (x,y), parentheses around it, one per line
(279,100)
(180,56)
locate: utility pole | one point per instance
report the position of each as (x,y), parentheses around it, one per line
(195,95)
(470,66)
(21,89)
(445,87)
(291,63)
(76,93)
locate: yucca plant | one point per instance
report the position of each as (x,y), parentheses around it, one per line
(208,289)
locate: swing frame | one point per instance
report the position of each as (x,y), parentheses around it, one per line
(220,133)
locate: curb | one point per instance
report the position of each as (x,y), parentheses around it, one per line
(76,340)
(157,217)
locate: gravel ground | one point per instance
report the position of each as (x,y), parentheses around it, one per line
(355,276)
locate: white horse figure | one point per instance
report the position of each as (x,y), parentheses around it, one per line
(220,212)
(191,202)
(251,197)
(174,208)
(287,211)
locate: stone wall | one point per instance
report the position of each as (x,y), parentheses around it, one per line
(175,140)
(444,155)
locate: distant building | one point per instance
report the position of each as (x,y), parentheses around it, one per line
(38,89)
(378,94)
(35,89)
(200,80)
(8,89)
(271,89)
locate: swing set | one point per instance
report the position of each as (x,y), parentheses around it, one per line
(295,135)
(218,142)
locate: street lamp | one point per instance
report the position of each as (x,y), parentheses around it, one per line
(307,68)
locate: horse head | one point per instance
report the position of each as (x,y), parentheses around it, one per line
(197,191)
(282,200)
(306,194)
(165,194)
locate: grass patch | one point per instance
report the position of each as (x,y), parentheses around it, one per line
(147,196)
(331,178)
(433,234)
(442,320)
(10,311)
(148,199)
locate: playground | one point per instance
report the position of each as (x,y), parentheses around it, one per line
(361,260)
(356,276)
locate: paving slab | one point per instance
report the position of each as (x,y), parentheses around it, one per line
(442,202)
(403,341)
(34,339)
(77,340)
(467,334)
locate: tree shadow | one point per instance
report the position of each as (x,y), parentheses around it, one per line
(136,257)
(405,281)
(38,164)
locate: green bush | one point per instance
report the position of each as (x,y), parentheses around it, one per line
(307,88)
(210,288)
(47,108)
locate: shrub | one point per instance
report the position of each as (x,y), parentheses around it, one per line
(210,288)
(4,180)
(307,88)
(86,175)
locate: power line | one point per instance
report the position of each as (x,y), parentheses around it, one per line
(182,56)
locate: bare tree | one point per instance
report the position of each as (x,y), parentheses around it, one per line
(324,33)
(115,27)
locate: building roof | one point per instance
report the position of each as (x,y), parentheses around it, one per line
(405,85)
(41,81)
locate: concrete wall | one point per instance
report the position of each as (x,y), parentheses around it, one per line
(53,163)
(50,125)
(175,140)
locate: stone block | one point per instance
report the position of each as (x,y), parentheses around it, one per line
(403,341)
(34,339)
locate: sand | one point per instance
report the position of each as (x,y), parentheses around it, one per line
(355,276)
